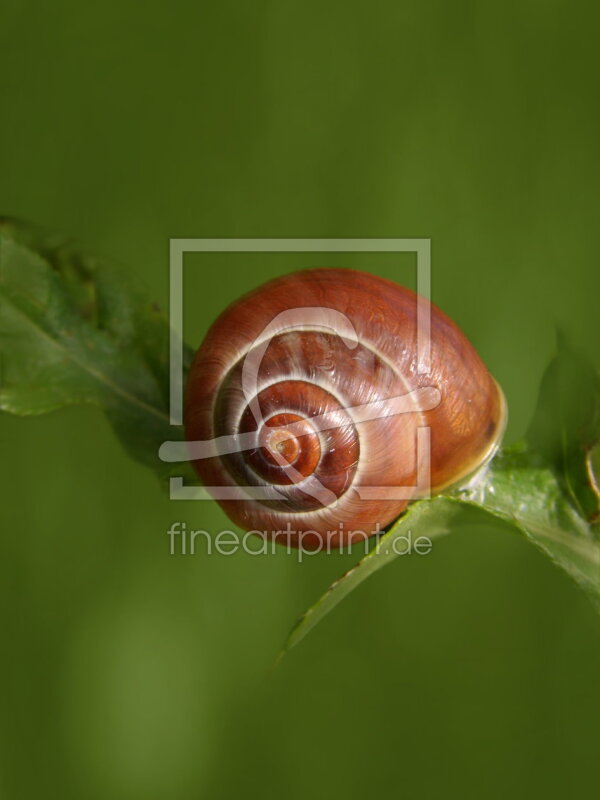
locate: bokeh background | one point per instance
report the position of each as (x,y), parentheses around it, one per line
(129,673)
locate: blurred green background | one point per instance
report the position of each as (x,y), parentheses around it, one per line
(129,673)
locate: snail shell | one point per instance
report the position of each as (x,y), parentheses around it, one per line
(311,391)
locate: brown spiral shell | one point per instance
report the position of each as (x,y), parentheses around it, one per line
(298,384)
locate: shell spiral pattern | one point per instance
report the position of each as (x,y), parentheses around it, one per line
(310,390)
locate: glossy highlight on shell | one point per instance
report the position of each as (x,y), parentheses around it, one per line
(315,377)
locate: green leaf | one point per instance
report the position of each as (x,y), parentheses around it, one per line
(521,488)
(431,518)
(546,489)
(73,330)
(518,488)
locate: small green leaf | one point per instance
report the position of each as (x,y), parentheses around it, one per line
(520,489)
(77,330)
(431,518)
